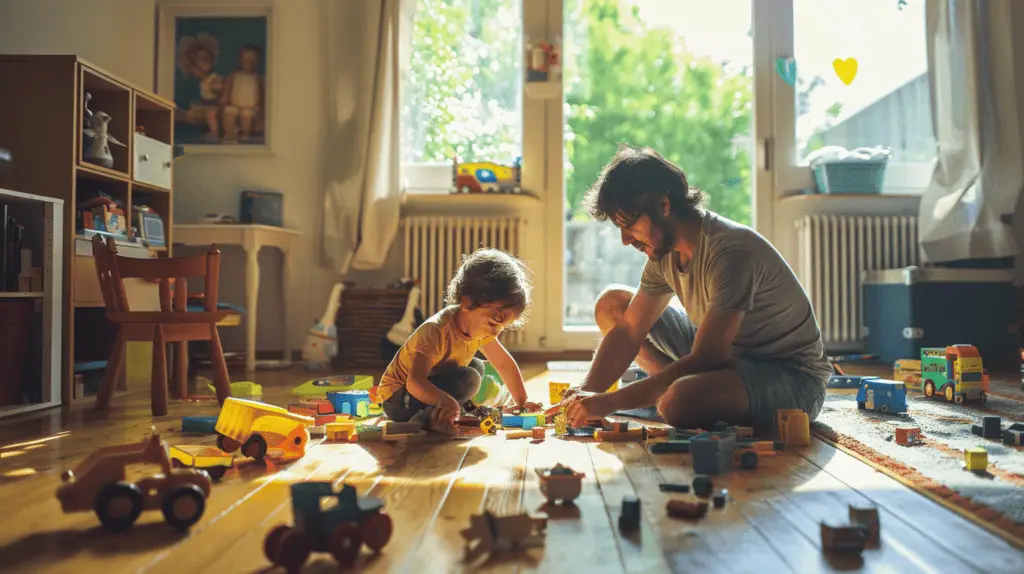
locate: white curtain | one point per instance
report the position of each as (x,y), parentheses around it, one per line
(362,195)
(978,175)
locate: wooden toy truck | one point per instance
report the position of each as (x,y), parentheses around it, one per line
(99,483)
(260,429)
(560,483)
(497,533)
(341,529)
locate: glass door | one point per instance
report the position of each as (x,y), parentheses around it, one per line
(676,76)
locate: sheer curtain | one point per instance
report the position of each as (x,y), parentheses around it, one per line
(362,195)
(978,175)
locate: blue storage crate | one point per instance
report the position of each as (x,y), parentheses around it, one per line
(863,177)
(911,308)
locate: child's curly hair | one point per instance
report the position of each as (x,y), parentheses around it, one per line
(492,276)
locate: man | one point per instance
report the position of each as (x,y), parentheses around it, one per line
(747,344)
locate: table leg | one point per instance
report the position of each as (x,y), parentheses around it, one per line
(252,292)
(286,274)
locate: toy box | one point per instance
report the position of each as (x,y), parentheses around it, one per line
(911,308)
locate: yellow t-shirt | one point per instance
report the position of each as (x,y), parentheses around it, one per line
(440,341)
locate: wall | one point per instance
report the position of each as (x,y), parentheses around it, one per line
(119,37)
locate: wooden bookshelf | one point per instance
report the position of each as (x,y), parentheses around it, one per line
(39,385)
(42,100)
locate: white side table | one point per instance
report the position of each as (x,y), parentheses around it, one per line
(252,238)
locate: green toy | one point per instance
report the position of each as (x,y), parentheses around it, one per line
(492,391)
(318,388)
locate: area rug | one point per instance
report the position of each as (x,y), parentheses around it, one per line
(935,467)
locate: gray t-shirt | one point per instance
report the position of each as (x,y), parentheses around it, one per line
(734,268)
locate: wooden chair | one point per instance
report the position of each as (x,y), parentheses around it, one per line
(171,324)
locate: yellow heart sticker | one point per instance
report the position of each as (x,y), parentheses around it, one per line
(845,69)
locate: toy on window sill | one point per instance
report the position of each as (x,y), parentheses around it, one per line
(487,177)
(543,61)
(341,530)
(98,484)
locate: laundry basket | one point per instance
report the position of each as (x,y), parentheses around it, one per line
(15,319)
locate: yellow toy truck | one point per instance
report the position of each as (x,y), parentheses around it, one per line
(213,460)
(262,430)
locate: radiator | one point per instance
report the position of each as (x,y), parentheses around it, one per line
(833,252)
(434,247)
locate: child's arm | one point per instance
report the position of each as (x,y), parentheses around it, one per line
(508,369)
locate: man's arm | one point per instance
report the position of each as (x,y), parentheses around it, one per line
(622,343)
(711,349)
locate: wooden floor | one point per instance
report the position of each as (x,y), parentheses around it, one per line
(770,525)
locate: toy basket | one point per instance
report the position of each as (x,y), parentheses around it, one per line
(15,319)
(862,177)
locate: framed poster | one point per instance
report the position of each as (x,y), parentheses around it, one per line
(214,62)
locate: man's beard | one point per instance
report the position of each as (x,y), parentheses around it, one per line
(666,238)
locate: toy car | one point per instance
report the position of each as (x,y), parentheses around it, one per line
(211,459)
(560,483)
(261,429)
(98,484)
(341,529)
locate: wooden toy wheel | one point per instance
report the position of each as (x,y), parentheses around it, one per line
(184,506)
(216,472)
(884,408)
(255,447)
(949,393)
(344,544)
(376,531)
(929,389)
(226,444)
(287,547)
(118,505)
(959,399)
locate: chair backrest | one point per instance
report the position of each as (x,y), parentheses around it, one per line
(112,269)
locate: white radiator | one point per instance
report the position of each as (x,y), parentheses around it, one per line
(835,250)
(434,247)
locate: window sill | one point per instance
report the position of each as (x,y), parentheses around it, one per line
(825,197)
(469,198)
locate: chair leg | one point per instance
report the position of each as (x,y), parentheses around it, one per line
(220,367)
(115,363)
(181,369)
(159,378)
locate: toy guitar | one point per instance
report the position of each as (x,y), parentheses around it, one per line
(322,340)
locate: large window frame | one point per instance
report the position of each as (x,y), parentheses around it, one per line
(790,173)
(776,169)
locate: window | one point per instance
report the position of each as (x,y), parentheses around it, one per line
(461,88)
(675,76)
(887,103)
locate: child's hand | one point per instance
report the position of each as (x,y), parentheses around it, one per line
(447,409)
(530,407)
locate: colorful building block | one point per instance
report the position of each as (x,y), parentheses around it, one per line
(686,509)
(204,425)
(720,498)
(300,409)
(525,421)
(867,517)
(341,431)
(990,427)
(793,427)
(519,434)
(712,452)
(669,446)
(369,433)
(318,388)
(556,390)
(355,403)
(1014,434)
(242,389)
(702,485)
(629,519)
(908,436)
(976,459)
(561,424)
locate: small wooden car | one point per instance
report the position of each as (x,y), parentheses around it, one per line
(560,483)
(492,533)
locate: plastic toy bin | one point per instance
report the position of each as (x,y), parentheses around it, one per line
(862,177)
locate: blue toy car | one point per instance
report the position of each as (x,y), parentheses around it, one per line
(883,396)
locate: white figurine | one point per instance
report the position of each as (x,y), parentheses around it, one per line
(98,150)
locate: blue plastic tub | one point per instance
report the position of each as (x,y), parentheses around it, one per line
(864,177)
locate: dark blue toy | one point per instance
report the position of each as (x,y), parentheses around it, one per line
(883,396)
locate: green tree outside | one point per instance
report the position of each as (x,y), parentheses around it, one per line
(626,81)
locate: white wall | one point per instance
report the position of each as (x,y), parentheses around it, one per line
(119,37)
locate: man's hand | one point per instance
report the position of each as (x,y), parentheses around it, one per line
(529,407)
(584,406)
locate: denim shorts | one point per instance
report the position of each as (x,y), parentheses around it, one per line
(771,384)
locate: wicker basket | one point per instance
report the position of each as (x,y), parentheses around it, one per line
(364,319)
(15,319)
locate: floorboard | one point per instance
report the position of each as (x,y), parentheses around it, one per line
(771,523)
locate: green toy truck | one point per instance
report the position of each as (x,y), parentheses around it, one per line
(341,529)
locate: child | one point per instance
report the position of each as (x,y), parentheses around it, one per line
(436,372)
